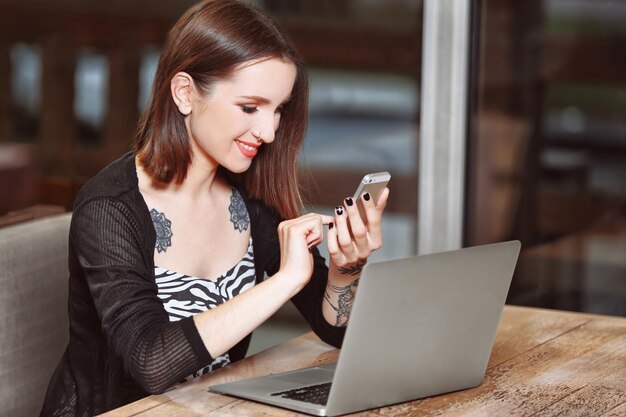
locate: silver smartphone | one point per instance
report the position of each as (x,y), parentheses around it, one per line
(374,184)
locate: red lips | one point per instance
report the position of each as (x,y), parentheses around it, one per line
(249,150)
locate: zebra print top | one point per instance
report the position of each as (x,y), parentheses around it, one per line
(184,295)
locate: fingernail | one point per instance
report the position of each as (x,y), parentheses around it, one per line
(339,210)
(349,201)
(331,225)
(366,196)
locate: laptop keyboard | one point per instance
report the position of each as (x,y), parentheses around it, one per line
(315,394)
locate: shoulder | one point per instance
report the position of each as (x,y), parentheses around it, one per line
(264,232)
(112,197)
(264,223)
(259,212)
(117,181)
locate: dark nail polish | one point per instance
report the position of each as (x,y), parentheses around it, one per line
(366,196)
(349,201)
(331,225)
(339,210)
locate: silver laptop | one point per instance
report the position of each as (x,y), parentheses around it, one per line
(419,326)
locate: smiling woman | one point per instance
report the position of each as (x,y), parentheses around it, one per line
(170,244)
(207,44)
(225,123)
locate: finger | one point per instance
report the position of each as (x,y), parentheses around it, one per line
(308,226)
(313,239)
(322,218)
(343,233)
(326,220)
(315,236)
(374,214)
(369,208)
(357,227)
(382,200)
(373,210)
(333,246)
(314,230)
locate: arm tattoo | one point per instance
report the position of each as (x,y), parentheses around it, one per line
(238,212)
(163,229)
(345,299)
(353,270)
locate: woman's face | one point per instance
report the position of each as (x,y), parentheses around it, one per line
(240,114)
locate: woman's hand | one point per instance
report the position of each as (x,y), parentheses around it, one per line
(353,239)
(350,243)
(297,237)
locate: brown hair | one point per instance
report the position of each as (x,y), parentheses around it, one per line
(209,42)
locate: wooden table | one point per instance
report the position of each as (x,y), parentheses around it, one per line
(543,363)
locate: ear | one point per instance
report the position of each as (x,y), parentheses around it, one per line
(181,87)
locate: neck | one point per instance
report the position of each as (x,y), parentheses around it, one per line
(198,184)
(201,176)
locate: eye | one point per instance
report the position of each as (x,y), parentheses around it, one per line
(249,109)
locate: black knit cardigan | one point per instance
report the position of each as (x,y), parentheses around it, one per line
(122,345)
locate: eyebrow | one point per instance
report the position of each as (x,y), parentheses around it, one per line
(263,100)
(256,98)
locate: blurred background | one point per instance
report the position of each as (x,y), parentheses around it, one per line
(546,131)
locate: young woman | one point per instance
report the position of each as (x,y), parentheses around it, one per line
(171,244)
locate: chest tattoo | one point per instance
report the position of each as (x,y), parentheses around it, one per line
(163,229)
(238,212)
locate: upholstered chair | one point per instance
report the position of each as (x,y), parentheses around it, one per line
(33,310)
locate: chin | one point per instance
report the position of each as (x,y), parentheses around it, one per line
(237,168)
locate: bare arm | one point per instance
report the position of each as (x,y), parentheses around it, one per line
(224,326)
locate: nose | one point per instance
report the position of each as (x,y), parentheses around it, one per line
(265,131)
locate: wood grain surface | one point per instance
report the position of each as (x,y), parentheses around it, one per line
(543,363)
